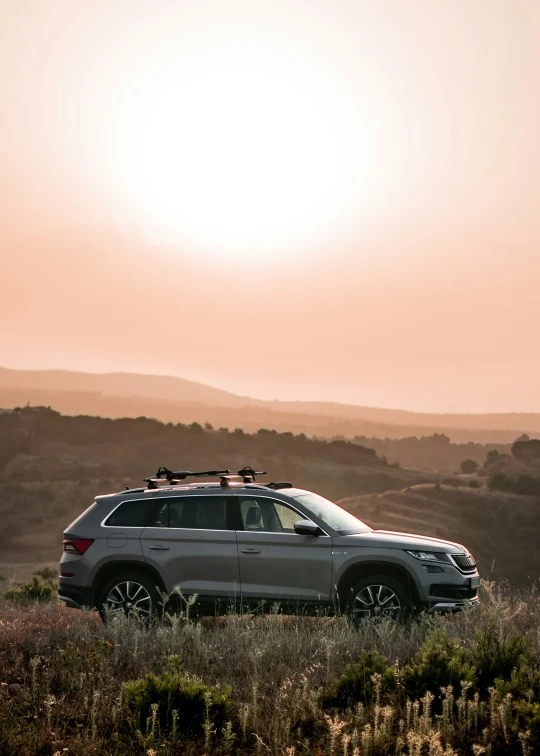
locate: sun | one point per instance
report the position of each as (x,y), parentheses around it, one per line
(241,150)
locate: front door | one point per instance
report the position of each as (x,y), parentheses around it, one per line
(192,543)
(275,562)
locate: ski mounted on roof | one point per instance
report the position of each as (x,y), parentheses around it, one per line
(247,475)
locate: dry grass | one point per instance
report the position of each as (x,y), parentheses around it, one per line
(63,677)
(17,572)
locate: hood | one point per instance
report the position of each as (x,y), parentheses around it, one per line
(392,540)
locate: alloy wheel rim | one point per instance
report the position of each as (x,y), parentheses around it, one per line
(376,601)
(129,597)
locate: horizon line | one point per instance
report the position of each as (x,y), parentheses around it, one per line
(261,399)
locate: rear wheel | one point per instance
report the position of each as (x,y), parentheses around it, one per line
(378,597)
(130,594)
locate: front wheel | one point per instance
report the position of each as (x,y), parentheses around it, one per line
(129,594)
(379,597)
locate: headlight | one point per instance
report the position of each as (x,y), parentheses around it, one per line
(428,556)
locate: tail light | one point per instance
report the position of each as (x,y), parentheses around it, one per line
(77,545)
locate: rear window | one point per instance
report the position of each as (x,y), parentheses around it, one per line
(131,514)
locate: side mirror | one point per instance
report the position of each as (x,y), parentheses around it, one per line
(306,527)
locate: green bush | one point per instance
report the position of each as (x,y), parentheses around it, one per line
(523,484)
(36,590)
(194,702)
(493,455)
(527,719)
(524,683)
(469,466)
(439,662)
(499,655)
(355,684)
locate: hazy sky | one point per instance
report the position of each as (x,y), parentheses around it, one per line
(303,200)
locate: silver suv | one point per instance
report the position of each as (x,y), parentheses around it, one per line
(237,543)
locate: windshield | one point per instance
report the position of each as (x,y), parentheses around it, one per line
(338,519)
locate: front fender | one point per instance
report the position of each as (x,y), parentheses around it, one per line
(347,560)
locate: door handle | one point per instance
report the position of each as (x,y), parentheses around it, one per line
(159,547)
(250,551)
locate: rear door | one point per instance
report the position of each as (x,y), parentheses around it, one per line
(192,542)
(275,562)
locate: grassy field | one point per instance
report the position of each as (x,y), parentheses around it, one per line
(465,684)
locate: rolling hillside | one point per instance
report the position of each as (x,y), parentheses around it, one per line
(51,467)
(501,529)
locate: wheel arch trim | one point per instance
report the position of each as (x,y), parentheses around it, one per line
(108,570)
(363,568)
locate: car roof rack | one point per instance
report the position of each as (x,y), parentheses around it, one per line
(247,474)
(173,478)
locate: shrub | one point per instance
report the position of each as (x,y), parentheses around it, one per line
(524,484)
(498,654)
(356,685)
(493,456)
(528,720)
(188,696)
(439,662)
(474,484)
(36,590)
(524,683)
(469,466)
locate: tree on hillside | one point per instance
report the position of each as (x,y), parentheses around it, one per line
(469,466)
(524,484)
(525,449)
(493,456)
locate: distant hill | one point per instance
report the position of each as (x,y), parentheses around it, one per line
(163,387)
(178,400)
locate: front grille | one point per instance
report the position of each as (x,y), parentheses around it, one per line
(455,592)
(464,562)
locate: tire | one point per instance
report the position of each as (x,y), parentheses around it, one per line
(379,597)
(132,594)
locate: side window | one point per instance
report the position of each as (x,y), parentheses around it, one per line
(162,517)
(192,512)
(287,516)
(212,512)
(267,516)
(131,514)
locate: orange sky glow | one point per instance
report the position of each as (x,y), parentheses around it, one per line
(289,199)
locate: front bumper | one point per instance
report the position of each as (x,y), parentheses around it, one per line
(453,606)
(75,596)
(452,597)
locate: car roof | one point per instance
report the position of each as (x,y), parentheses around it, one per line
(202,486)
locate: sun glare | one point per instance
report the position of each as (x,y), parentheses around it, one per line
(236,149)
